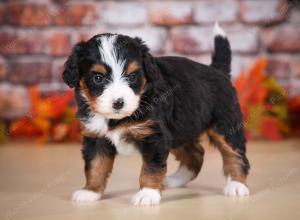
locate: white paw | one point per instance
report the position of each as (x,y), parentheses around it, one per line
(235,188)
(146,197)
(181,177)
(85,195)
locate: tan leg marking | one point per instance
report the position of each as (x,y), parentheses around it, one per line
(232,163)
(97,175)
(152,180)
(190,156)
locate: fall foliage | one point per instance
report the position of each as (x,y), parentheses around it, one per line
(50,119)
(263,102)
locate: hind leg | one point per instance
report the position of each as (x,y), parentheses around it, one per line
(191,159)
(235,162)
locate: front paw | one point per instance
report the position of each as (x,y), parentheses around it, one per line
(85,195)
(146,197)
(236,189)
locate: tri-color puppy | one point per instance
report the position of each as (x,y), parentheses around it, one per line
(131,101)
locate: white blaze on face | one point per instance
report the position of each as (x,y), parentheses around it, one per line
(118,87)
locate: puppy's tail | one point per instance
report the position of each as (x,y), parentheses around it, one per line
(221,58)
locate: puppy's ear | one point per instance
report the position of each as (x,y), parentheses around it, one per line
(71,73)
(150,68)
(142,46)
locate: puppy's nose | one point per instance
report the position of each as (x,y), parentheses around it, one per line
(118,104)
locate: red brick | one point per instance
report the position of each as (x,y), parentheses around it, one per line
(263,11)
(171,13)
(195,40)
(212,10)
(87,34)
(77,13)
(30,70)
(82,36)
(2,13)
(48,89)
(124,14)
(243,40)
(2,68)
(28,13)
(155,38)
(14,100)
(203,58)
(284,38)
(191,40)
(21,42)
(295,67)
(59,43)
(57,69)
(240,64)
(294,87)
(278,67)
(295,16)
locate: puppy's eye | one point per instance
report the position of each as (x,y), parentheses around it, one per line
(132,77)
(98,79)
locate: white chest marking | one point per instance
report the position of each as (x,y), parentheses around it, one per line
(98,125)
(123,147)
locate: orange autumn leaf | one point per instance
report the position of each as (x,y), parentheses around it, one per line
(43,115)
(270,128)
(294,104)
(23,127)
(254,89)
(59,103)
(249,86)
(294,111)
(50,107)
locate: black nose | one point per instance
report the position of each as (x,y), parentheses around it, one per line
(118,104)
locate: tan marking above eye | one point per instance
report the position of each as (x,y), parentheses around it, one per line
(99,68)
(132,67)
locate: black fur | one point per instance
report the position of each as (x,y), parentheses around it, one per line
(94,146)
(221,58)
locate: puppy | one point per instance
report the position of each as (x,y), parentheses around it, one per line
(131,101)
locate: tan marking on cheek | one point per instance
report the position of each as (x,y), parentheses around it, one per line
(152,180)
(97,175)
(133,67)
(99,68)
(91,100)
(232,163)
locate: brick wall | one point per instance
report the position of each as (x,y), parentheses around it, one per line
(36,36)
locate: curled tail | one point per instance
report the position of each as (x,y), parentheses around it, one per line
(221,58)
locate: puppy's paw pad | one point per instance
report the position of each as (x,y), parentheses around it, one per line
(235,188)
(85,195)
(146,197)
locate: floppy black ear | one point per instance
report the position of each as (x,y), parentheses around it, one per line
(142,46)
(150,68)
(71,73)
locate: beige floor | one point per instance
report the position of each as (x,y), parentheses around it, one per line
(36,183)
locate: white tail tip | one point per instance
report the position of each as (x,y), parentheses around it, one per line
(218,31)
